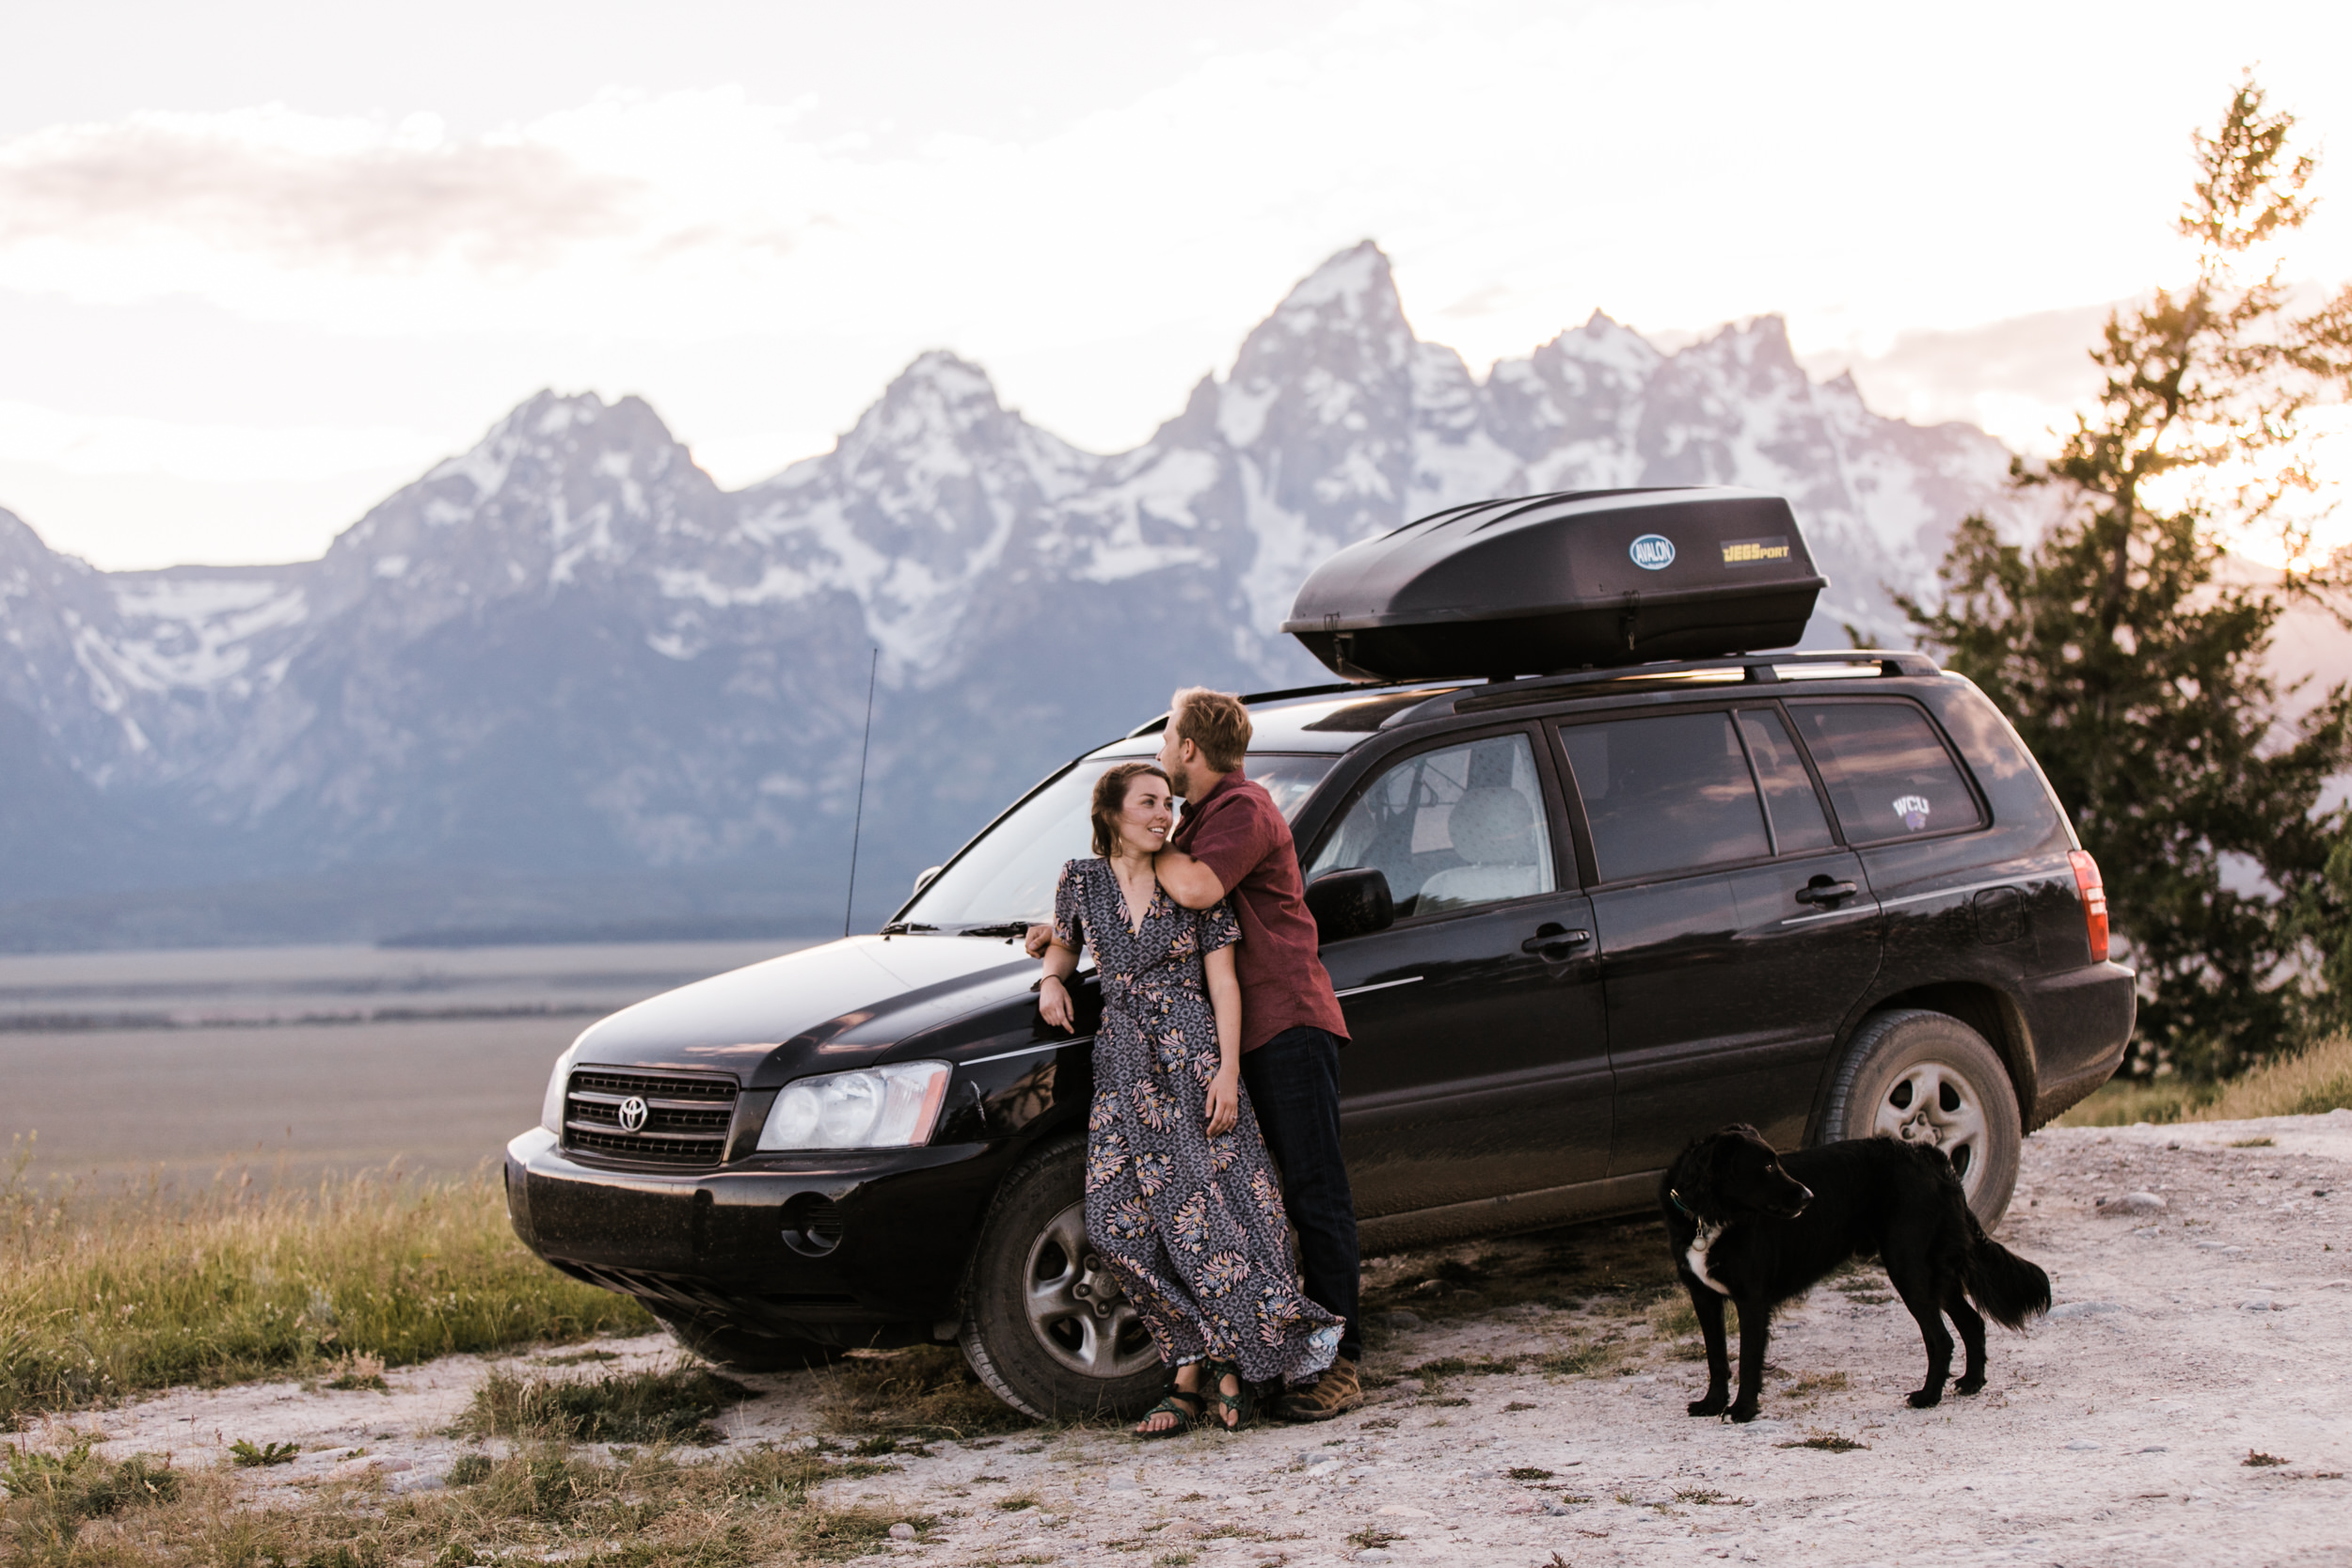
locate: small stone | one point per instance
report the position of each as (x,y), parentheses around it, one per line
(1124,1483)
(1376,1554)
(2083,1444)
(1315,1472)
(902,1531)
(1410,1385)
(2086,1309)
(2132,1204)
(2155,1448)
(1049,1520)
(1401,1319)
(1398,1510)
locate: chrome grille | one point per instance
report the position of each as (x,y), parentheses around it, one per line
(685,1125)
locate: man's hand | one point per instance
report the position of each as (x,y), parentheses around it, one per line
(1190,882)
(1035,944)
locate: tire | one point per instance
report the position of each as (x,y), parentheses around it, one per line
(743,1349)
(1926,1077)
(1045,1325)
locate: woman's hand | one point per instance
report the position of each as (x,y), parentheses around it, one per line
(1224,1101)
(1053,1003)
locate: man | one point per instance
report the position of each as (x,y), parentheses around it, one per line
(1233,840)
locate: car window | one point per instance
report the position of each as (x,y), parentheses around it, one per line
(1792,809)
(1670,793)
(1450,829)
(1887,772)
(1009,874)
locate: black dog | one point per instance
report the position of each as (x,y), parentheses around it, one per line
(1756,1227)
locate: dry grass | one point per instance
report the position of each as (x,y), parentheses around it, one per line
(540,1502)
(888,1398)
(2312,1084)
(673,1406)
(106,1294)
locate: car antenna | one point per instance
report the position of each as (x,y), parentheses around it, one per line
(858,823)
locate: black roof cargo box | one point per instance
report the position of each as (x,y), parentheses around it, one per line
(1540,583)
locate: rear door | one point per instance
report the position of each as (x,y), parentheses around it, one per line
(1478,1060)
(1735,929)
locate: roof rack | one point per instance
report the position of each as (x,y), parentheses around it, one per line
(1755,669)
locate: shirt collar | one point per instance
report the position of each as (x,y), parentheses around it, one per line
(1232,781)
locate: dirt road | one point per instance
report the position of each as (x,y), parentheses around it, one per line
(2186,1340)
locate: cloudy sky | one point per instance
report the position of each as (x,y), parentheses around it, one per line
(262,260)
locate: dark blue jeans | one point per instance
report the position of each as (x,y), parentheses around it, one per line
(1294,1083)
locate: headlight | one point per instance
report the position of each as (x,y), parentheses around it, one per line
(551,1103)
(883,1107)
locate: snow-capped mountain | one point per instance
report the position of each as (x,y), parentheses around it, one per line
(568,652)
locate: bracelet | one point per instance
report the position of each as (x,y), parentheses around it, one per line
(1056,979)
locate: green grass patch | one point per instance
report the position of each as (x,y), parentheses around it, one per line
(1829,1442)
(108,1295)
(673,1406)
(51,1495)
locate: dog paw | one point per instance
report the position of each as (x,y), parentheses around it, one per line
(1743,1415)
(1713,1405)
(1927,1399)
(1969,1385)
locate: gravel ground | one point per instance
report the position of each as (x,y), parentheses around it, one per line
(2204,1323)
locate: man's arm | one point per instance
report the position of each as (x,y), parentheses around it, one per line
(1190,882)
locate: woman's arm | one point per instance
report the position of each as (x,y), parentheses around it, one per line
(1225,1001)
(1053,991)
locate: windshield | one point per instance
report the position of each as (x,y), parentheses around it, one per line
(1009,874)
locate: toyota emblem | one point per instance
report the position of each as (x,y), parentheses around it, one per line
(632,1115)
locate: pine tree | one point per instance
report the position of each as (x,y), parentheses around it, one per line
(2132,663)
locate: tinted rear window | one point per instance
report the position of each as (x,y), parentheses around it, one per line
(1666,794)
(1887,771)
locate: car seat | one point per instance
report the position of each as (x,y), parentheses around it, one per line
(1493,830)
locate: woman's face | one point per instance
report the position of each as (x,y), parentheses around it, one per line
(1146,816)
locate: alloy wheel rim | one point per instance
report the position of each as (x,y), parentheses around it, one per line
(1075,1307)
(1934,1104)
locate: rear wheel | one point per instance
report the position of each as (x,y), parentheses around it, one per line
(1046,1325)
(730,1345)
(1926,1077)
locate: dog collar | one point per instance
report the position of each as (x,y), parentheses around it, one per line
(1675,1198)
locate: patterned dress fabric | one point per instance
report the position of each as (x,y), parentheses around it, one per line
(1193,1225)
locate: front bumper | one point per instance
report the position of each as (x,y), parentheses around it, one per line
(749,1243)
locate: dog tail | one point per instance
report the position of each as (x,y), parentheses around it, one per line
(2007,1287)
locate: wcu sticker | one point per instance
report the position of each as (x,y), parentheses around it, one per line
(1652,552)
(1913,809)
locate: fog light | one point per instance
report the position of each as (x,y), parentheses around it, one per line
(812,1225)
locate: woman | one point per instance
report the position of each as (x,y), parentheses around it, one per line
(1180,1196)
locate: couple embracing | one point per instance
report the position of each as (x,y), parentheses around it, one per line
(1215,1121)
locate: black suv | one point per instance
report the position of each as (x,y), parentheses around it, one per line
(1574,920)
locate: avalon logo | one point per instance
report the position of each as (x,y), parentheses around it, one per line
(1653,552)
(632,1115)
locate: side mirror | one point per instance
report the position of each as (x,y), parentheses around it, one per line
(1351,903)
(922,878)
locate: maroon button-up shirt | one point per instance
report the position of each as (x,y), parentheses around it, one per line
(1238,833)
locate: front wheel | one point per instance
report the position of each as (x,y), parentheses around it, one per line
(1926,1077)
(1045,1325)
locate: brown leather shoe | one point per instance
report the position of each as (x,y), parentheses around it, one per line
(1338,1391)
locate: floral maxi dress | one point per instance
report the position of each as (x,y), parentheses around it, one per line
(1193,1225)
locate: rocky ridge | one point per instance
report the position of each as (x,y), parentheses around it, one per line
(569,650)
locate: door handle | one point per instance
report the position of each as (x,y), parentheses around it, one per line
(1554,941)
(1825,893)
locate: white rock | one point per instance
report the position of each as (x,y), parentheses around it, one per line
(1316,1472)
(902,1531)
(2131,1204)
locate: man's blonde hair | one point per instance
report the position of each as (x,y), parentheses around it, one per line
(1213,720)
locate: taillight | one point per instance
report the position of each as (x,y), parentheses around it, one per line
(2094,891)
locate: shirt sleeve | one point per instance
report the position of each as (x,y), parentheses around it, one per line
(1220,927)
(1231,841)
(1068,921)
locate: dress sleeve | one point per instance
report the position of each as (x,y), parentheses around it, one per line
(1218,927)
(1068,919)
